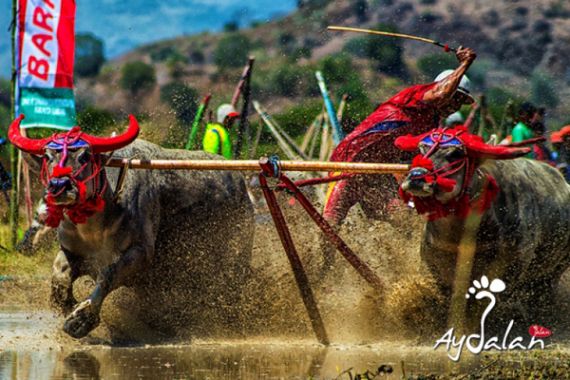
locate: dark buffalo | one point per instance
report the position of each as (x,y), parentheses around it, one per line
(524,233)
(181,240)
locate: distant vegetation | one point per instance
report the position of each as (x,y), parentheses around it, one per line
(386,53)
(89,55)
(137,77)
(182,99)
(232,51)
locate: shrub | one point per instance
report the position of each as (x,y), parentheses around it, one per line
(292,80)
(231,26)
(498,98)
(182,99)
(197,57)
(336,68)
(360,9)
(162,53)
(94,120)
(137,76)
(89,55)
(232,51)
(543,92)
(433,64)
(297,119)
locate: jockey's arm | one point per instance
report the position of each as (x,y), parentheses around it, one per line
(444,90)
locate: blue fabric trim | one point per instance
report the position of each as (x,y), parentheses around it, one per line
(453,142)
(385,126)
(57,146)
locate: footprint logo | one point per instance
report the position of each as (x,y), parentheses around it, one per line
(484,289)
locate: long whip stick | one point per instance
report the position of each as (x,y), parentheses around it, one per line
(391,34)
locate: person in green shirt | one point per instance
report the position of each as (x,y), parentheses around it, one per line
(217,139)
(522,130)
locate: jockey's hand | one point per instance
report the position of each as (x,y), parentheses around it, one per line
(465,55)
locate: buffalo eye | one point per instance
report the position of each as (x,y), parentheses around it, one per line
(49,155)
(454,155)
(83,157)
(424,148)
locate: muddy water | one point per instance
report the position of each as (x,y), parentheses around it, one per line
(31,349)
(368,327)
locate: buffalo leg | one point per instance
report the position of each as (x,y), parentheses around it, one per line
(85,317)
(65,271)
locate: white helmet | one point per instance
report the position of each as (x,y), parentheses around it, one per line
(464,87)
(225,110)
(454,118)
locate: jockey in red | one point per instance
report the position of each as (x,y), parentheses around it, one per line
(414,110)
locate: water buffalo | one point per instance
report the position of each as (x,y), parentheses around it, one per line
(524,233)
(180,239)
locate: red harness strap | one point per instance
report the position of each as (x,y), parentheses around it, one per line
(461,205)
(84,207)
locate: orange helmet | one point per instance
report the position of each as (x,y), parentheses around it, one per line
(556,137)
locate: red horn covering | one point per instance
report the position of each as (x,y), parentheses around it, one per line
(107,144)
(32,146)
(410,143)
(476,147)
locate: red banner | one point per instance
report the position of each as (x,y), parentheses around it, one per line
(45,56)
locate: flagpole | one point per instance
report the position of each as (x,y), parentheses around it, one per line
(14,204)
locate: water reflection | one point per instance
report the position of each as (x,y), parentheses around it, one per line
(32,348)
(216,361)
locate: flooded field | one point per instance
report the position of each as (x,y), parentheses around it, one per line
(388,329)
(33,349)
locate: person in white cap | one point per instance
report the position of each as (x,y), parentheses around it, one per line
(414,110)
(217,138)
(454,120)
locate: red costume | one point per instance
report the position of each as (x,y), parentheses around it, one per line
(373,141)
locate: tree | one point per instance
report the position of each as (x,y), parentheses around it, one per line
(387,53)
(137,76)
(232,51)
(89,55)
(182,99)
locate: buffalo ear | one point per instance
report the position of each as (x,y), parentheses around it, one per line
(34,162)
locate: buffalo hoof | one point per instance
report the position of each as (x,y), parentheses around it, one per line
(83,319)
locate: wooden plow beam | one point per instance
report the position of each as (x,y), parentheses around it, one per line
(273,168)
(254,165)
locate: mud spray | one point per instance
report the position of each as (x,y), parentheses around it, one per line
(396,323)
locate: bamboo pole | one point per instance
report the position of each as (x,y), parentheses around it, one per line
(280,140)
(341,107)
(196,123)
(324,139)
(316,136)
(253,149)
(337,132)
(14,204)
(243,129)
(269,120)
(309,134)
(253,165)
(242,80)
